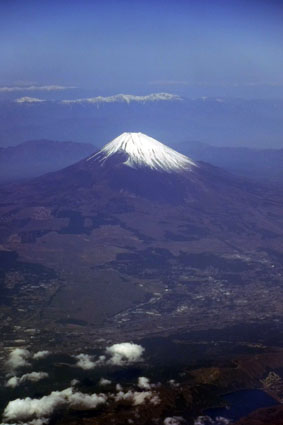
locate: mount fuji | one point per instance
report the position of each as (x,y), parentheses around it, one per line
(142,166)
(144,152)
(134,165)
(130,221)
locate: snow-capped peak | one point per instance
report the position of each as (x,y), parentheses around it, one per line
(126,98)
(144,151)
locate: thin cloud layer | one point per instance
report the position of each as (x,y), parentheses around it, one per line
(27,99)
(53,87)
(126,98)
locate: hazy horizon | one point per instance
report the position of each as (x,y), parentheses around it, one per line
(192,48)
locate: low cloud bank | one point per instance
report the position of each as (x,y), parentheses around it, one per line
(122,354)
(28,408)
(14,381)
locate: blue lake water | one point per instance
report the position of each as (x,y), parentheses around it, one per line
(241,403)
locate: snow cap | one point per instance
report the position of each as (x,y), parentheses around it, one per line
(144,151)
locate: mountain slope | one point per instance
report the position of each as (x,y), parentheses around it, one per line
(122,243)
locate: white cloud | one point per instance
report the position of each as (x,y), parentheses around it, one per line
(86,362)
(27,99)
(119,387)
(104,381)
(173,383)
(144,383)
(121,354)
(28,408)
(14,381)
(52,87)
(124,353)
(18,358)
(126,98)
(138,397)
(41,354)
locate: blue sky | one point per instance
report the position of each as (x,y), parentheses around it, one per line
(193,47)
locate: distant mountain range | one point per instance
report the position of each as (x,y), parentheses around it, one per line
(36,157)
(170,118)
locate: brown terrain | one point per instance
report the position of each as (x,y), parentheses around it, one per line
(90,255)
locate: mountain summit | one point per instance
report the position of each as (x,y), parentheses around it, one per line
(136,166)
(142,151)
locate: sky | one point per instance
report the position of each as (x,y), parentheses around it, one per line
(193,47)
